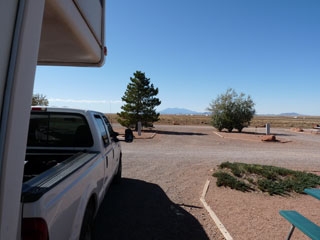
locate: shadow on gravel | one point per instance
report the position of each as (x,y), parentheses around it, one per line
(140,210)
(176,133)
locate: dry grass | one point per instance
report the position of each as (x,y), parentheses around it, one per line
(174,119)
(258,121)
(285,121)
(184,120)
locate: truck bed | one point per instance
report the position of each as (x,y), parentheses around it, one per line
(38,180)
(39,161)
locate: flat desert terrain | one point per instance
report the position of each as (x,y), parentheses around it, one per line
(164,177)
(257,121)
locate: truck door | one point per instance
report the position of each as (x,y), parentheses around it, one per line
(114,142)
(107,150)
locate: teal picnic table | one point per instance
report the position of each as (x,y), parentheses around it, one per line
(297,220)
(313,192)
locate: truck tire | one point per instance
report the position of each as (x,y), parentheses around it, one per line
(117,177)
(87,222)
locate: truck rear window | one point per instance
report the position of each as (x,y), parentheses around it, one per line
(58,130)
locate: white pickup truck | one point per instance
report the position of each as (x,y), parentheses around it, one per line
(72,156)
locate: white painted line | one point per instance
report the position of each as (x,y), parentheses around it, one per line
(214,217)
(218,134)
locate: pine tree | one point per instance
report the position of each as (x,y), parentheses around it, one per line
(140,102)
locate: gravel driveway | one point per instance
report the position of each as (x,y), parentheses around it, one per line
(164,177)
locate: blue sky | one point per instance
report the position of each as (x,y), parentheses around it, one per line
(195,50)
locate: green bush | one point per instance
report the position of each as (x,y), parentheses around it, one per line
(235,168)
(272,187)
(231,110)
(270,179)
(225,179)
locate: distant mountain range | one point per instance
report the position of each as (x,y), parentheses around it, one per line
(184,111)
(292,114)
(181,111)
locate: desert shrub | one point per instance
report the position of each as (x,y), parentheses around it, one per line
(250,180)
(272,187)
(235,168)
(231,110)
(225,179)
(270,179)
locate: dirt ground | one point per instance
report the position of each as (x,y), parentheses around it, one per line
(164,177)
(256,215)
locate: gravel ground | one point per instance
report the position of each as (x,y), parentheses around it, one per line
(256,215)
(164,177)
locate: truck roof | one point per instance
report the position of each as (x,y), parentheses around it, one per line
(60,109)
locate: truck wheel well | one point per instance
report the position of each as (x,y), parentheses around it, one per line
(92,202)
(86,231)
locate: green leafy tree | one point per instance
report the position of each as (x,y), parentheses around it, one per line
(39,100)
(232,110)
(140,102)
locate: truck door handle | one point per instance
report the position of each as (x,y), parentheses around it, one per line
(107,161)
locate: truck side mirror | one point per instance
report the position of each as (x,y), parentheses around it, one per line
(114,134)
(128,135)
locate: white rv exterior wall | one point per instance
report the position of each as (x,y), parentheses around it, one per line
(8,11)
(16,114)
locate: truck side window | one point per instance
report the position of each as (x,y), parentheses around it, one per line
(110,129)
(102,129)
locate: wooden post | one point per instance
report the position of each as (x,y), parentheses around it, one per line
(139,128)
(268,129)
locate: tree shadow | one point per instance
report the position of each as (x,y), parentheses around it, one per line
(140,210)
(176,133)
